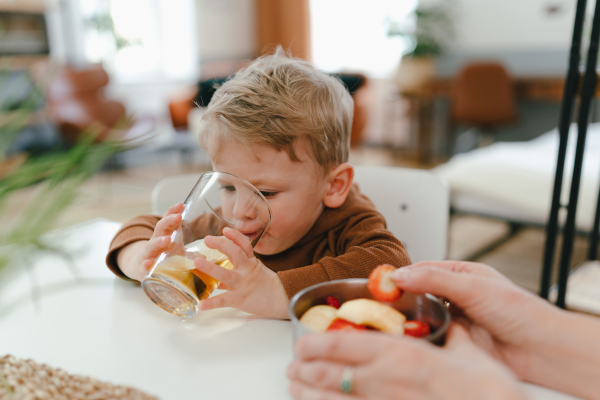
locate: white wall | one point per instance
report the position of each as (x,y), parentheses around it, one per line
(226,29)
(513,24)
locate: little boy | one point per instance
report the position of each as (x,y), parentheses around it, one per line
(285,127)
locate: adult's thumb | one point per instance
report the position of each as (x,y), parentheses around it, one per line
(457,334)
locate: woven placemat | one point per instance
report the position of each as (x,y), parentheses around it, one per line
(27,380)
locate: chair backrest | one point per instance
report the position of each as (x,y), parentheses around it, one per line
(483,95)
(415,204)
(171,190)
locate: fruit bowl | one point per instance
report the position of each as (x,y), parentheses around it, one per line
(421,307)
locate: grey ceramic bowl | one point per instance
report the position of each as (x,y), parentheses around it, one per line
(421,307)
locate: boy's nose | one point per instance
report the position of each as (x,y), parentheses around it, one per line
(246,205)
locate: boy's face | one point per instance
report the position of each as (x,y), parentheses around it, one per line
(294,190)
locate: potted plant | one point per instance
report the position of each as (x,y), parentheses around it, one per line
(43,183)
(428,35)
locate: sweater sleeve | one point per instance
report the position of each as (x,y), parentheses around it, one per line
(362,246)
(138,228)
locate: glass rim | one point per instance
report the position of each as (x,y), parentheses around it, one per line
(245,182)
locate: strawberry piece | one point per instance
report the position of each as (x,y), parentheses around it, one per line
(343,325)
(381,286)
(416,328)
(332,301)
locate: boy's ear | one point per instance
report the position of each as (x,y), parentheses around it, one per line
(340,181)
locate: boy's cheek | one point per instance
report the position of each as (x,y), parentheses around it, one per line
(264,244)
(267,245)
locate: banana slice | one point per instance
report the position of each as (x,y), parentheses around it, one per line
(373,313)
(318,318)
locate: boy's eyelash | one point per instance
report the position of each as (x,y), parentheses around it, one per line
(268,194)
(231,188)
(265,193)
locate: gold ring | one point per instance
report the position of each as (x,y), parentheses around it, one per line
(346,381)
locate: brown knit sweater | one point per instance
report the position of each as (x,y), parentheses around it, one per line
(345,242)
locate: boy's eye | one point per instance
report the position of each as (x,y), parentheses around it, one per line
(268,194)
(229,188)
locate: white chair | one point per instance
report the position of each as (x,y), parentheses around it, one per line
(415,204)
(171,190)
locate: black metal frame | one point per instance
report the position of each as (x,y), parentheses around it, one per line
(566,116)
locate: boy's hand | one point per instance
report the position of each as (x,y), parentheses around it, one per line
(251,286)
(137,258)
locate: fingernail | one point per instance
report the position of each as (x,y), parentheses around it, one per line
(401,274)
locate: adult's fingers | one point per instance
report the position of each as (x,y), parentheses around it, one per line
(462,289)
(343,347)
(239,239)
(402,363)
(317,374)
(457,335)
(468,267)
(300,391)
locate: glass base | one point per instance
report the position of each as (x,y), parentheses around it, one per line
(170,298)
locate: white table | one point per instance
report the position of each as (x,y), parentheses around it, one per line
(107,328)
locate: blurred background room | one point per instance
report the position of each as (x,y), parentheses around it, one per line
(470,89)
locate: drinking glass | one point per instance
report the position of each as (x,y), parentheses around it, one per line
(218,200)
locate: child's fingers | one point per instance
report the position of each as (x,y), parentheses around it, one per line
(222,286)
(167,225)
(174,209)
(219,273)
(238,238)
(232,250)
(147,264)
(156,246)
(220,301)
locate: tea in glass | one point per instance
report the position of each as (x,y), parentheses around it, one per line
(218,200)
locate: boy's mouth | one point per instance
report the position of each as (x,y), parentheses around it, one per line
(250,234)
(250,229)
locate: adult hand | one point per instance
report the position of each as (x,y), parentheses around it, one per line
(502,318)
(251,286)
(137,258)
(386,368)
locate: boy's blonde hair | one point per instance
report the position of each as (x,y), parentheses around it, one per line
(278,99)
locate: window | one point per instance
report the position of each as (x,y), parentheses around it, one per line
(140,40)
(352,35)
